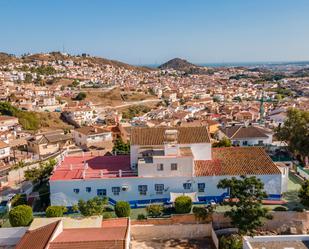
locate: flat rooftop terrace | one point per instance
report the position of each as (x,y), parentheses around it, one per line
(92,167)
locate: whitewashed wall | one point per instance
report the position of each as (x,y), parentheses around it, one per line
(62,191)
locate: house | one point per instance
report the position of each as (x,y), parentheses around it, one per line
(79,115)
(246,135)
(163,162)
(49,143)
(298,241)
(64,233)
(4,151)
(8,123)
(93,137)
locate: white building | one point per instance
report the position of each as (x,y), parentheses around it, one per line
(8,123)
(4,151)
(163,161)
(246,135)
(89,136)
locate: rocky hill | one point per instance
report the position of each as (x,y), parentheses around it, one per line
(183,65)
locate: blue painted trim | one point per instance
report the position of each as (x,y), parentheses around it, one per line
(202,200)
(274,197)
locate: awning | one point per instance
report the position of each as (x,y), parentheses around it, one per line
(192,195)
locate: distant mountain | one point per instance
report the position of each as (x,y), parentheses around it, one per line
(177,64)
(185,66)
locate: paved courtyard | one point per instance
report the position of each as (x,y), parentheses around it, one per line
(198,243)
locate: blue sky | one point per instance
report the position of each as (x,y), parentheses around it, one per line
(153,31)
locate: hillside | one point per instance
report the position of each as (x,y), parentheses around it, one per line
(7,58)
(185,66)
(177,64)
(54,56)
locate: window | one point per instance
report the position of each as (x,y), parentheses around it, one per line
(160,167)
(159,189)
(142,189)
(245,143)
(101,192)
(88,189)
(173,166)
(260,142)
(187,185)
(116,190)
(201,187)
(76,190)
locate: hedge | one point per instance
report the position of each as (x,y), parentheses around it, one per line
(55,211)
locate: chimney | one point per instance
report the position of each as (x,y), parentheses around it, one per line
(101,173)
(84,174)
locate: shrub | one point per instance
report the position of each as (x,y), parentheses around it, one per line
(122,209)
(19,199)
(154,210)
(280,208)
(107,216)
(230,242)
(202,213)
(298,209)
(55,211)
(21,216)
(141,217)
(183,204)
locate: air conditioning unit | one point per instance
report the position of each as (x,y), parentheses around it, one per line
(124,187)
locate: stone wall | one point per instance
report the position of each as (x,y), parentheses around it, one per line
(179,231)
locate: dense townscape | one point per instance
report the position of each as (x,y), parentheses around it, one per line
(205,148)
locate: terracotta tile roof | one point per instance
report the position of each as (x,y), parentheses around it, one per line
(155,136)
(3,145)
(241,132)
(237,161)
(90,130)
(38,238)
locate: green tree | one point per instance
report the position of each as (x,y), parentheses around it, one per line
(295,132)
(303,193)
(183,204)
(41,173)
(122,209)
(121,147)
(28,120)
(55,211)
(80,96)
(19,199)
(224,142)
(21,216)
(248,213)
(94,206)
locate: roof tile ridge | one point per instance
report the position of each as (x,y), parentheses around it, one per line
(240,127)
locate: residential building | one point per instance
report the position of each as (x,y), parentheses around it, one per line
(163,162)
(8,123)
(90,137)
(4,151)
(64,233)
(246,135)
(49,143)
